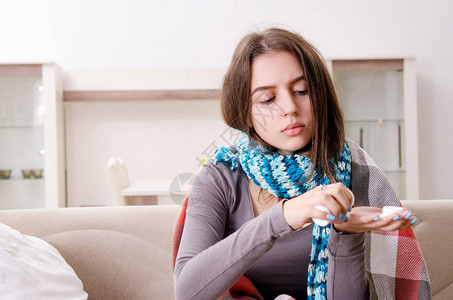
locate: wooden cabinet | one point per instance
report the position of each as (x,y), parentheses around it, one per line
(379,101)
(31,136)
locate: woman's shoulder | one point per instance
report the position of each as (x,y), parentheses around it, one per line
(225,170)
(219,179)
(220,173)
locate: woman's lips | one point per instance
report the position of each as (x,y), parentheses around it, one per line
(292,131)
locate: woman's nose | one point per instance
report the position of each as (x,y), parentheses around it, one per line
(288,105)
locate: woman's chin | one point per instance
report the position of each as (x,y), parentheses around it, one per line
(302,151)
(295,149)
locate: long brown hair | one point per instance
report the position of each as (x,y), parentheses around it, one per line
(328,136)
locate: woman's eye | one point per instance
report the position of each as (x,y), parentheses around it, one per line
(303,92)
(268,101)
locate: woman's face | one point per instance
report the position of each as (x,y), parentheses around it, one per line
(281,107)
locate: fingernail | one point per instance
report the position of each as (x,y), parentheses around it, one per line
(340,217)
(408,216)
(376,219)
(396,218)
(330,217)
(414,221)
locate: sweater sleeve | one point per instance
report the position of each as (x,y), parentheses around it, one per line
(347,277)
(208,264)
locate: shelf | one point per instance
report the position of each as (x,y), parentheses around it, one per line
(135,95)
(21,70)
(380,121)
(22,127)
(368,65)
(21,179)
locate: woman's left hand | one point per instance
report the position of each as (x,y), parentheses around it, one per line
(366,218)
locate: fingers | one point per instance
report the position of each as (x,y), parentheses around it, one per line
(319,213)
(338,199)
(301,209)
(365,218)
(396,221)
(389,223)
(332,206)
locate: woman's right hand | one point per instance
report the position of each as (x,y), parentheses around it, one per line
(299,211)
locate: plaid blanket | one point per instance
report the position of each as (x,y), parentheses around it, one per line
(395,265)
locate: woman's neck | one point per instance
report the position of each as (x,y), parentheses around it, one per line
(262,200)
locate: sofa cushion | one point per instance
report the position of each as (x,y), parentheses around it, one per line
(103,261)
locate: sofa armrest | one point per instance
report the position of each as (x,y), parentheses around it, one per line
(436,242)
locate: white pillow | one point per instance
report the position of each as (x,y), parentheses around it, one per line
(31,268)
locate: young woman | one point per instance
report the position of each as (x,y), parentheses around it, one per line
(251,209)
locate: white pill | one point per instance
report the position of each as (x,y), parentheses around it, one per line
(388,210)
(321,222)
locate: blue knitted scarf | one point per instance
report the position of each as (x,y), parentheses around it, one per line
(286,177)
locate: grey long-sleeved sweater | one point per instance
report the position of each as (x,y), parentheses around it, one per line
(222,240)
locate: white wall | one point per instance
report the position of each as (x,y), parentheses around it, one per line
(157,140)
(26,31)
(107,34)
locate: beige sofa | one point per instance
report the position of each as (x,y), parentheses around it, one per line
(125,252)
